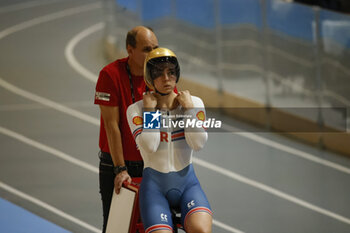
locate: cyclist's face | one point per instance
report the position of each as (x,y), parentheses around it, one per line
(164,77)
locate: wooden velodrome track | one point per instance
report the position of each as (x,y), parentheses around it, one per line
(50,55)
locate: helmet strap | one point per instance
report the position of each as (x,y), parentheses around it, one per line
(162,94)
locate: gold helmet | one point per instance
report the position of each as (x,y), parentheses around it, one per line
(154,58)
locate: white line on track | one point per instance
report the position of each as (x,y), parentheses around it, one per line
(48,207)
(26,5)
(48,149)
(46,18)
(68,52)
(269,189)
(287,149)
(226,227)
(49,103)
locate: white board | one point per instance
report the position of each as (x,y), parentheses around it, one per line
(120,211)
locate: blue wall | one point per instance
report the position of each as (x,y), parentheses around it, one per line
(292,19)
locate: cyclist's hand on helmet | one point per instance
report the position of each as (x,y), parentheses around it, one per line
(185,100)
(149,100)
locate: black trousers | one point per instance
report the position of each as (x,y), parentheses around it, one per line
(107,176)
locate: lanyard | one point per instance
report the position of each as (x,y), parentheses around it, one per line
(131,86)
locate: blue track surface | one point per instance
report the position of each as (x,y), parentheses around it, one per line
(14,219)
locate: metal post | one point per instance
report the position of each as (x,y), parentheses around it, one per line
(318,78)
(266,60)
(218,45)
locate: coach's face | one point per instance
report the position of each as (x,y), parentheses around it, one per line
(146,41)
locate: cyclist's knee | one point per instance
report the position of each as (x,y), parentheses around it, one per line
(200,222)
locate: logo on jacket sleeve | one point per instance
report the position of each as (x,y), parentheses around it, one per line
(102,96)
(200,116)
(151,120)
(137,120)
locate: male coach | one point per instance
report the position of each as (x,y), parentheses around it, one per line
(120,84)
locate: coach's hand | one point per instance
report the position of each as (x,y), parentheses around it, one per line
(119,179)
(149,100)
(185,100)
